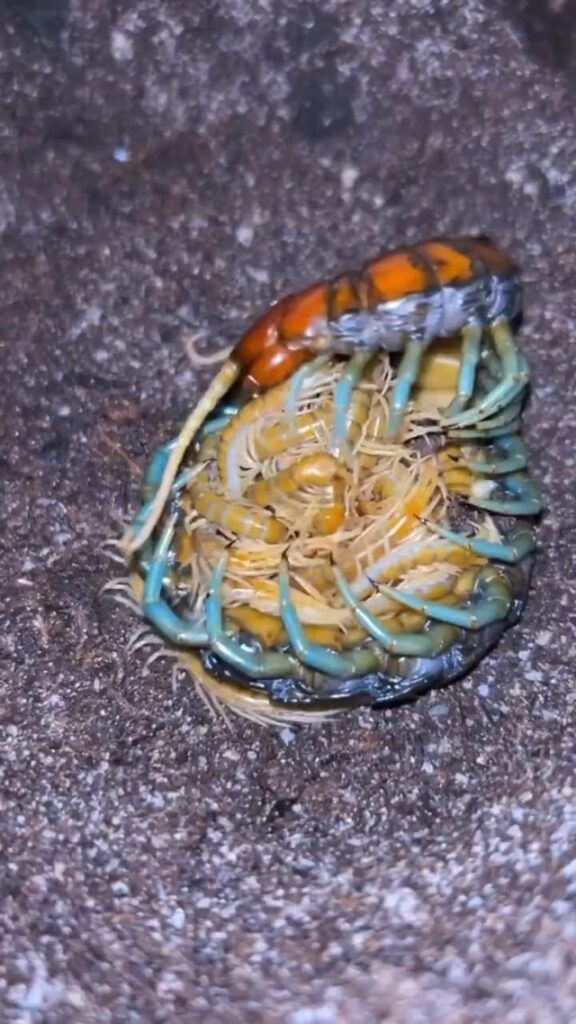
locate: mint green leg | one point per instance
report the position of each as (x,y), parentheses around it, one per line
(343,392)
(322,659)
(511,427)
(406,378)
(489,602)
(155,470)
(507,454)
(255,664)
(506,422)
(520,496)
(515,377)
(154,608)
(435,638)
(519,543)
(492,366)
(150,483)
(471,342)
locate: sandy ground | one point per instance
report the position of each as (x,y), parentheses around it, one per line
(188,162)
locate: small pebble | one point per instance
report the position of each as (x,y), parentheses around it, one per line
(178,918)
(439,710)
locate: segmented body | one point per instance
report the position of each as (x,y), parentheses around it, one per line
(237,518)
(423,292)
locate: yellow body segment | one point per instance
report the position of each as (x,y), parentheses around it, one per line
(232,516)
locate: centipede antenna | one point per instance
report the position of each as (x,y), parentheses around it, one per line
(197,359)
(224,379)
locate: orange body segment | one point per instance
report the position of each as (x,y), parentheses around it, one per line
(344,296)
(274,366)
(450,266)
(305,312)
(397,275)
(262,335)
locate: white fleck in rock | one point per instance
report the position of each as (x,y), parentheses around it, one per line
(313,1015)
(178,918)
(439,710)
(349,176)
(258,274)
(544,637)
(90,317)
(569,869)
(245,234)
(404,905)
(156,800)
(121,45)
(7,211)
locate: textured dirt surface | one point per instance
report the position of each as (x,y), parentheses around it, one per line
(187,162)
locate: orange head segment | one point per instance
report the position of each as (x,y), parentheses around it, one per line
(275,365)
(305,315)
(262,335)
(450,265)
(497,261)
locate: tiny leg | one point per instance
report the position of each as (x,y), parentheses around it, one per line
(220,418)
(298,380)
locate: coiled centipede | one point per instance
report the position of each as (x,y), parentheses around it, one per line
(388,596)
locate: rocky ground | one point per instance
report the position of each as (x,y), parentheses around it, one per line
(176,162)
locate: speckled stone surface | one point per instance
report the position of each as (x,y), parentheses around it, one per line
(175,162)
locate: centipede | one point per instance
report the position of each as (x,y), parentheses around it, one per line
(295,553)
